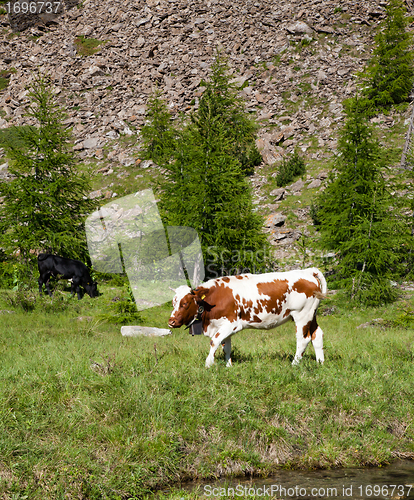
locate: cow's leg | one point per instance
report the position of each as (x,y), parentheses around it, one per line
(40,281)
(75,287)
(304,330)
(227,351)
(307,331)
(79,292)
(317,341)
(222,336)
(44,280)
(301,345)
(47,285)
(213,348)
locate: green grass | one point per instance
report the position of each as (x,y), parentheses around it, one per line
(87,413)
(87,46)
(4,82)
(5,74)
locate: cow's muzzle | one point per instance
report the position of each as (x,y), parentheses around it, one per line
(173,324)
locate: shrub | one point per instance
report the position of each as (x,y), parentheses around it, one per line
(122,310)
(314,213)
(6,274)
(369,290)
(59,302)
(22,298)
(290,169)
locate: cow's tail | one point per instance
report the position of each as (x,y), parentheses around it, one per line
(322,282)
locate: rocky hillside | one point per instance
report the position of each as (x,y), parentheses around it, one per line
(297,60)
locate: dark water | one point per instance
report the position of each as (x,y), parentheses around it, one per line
(395,481)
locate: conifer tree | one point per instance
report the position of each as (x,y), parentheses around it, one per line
(389,75)
(46,202)
(158,133)
(204,185)
(220,100)
(355,213)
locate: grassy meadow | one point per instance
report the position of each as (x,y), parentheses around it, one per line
(88,414)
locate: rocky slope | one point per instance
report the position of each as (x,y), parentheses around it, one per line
(297,60)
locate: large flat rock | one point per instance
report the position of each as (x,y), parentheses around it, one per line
(148,331)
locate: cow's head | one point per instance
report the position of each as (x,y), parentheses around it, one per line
(185,306)
(91,289)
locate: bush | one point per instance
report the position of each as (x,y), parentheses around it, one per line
(22,298)
(314,213)
(59,302)
(250,160)
(6,274)
(290,169)
(14,275)
(372,291)
(110,279)
(122,310)
(405,317)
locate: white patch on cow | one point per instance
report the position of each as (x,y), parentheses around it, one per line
(180,292)
(222,324)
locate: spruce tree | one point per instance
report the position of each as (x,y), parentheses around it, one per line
(204,184)
(158,133)
(389,75)
(356,216)
(220,100)
(46,202)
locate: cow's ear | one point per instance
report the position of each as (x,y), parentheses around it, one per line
(201,297)
(200,294)
(205,305)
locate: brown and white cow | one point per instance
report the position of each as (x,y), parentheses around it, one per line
(229,304)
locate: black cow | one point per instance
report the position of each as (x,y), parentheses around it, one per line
(62,268)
